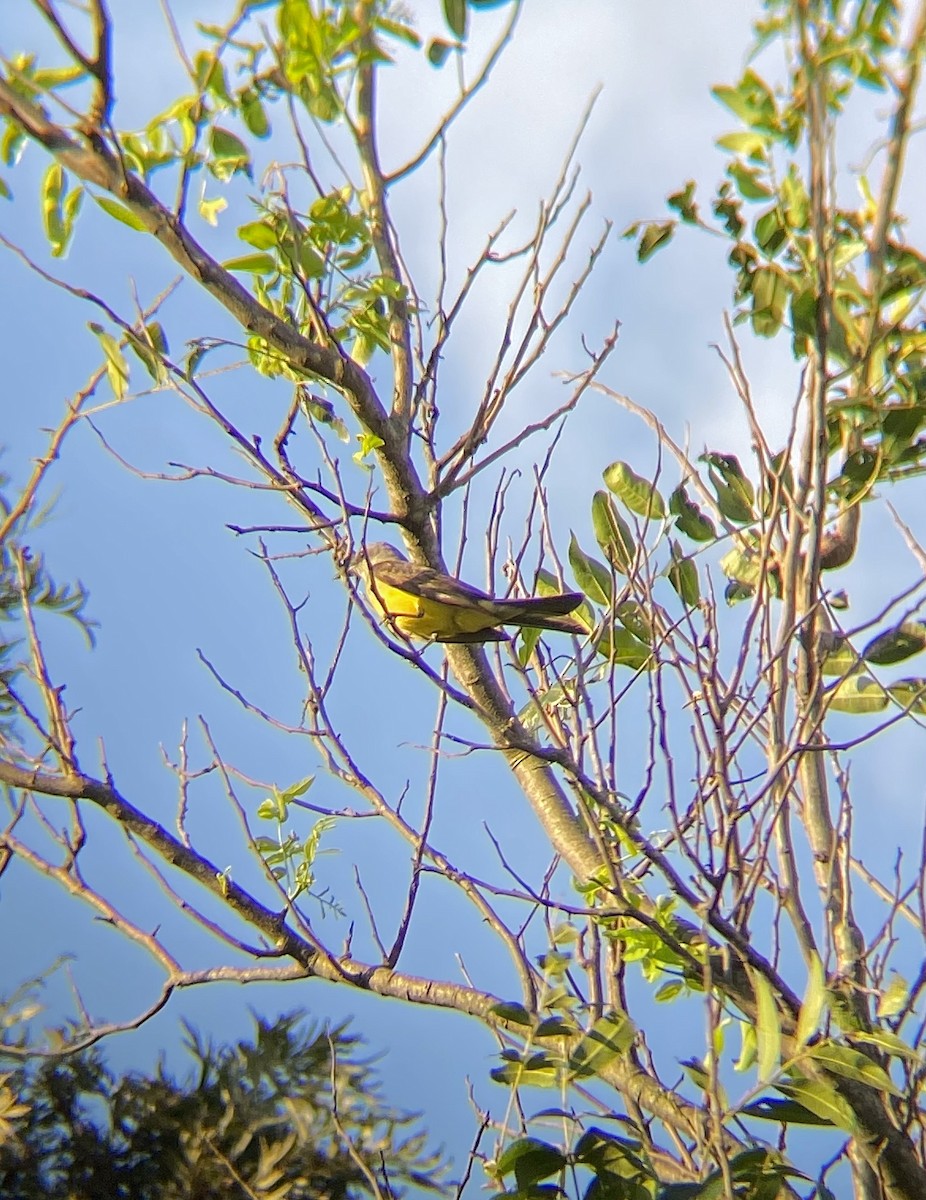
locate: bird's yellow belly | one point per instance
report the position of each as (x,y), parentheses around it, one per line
(414,616)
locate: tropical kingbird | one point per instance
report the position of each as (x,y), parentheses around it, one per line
(423,603)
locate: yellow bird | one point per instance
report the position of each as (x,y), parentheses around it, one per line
(420,602)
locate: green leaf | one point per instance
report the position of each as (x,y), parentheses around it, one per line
(736,592)
(852,1064)
(784,1112)
(751,145)
(683,575)
(368,443)
(612,532)
(748,1049)
(530,1160)
(52,189)
(513,1012)
(821,1099)
(400,31)
(846,250)
(60,207)
(438,51)
(321,411)
(619,1164)
(259,234)
(455,16)
(771,292)
(56,77)
(888,1043)
(619,646)
(683,202)
(655,235)
(734,491)
(690,519)
(209,209)
(751,100)
(254,264)
(813,1003)
(771,234)
(296,790)
(121,213)
(534,714)
(838,656)
(697,1072)
(633,616)
(743,564)
(749,181)
(897,644)
(210,75)
(639,495)
(151,350)
(857,693)
(536,1070)
(555,1027)
(893,998)
(117,369)
(229,155)
(593,577)
(610,1037)
(254,114)
(768,1028)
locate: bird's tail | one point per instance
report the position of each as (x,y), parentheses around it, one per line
(545,612)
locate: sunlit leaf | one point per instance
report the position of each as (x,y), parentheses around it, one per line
(748,1048)
(857,693)
(121,213)
(852,1064)
(768,1028)
(610,1037)
(254,264)
(893,998)
(751,145)
(836,654)
(117,368)
(259,234)
(814,1002)
(209,209)
(612,532)
(821,1099)
(655,235)
(619,646)
(770,295)
(639,495)
(229,155)
(888,1043)
(254,114)
(593,577)
(683,575)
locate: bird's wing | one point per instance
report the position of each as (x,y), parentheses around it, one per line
(431,585)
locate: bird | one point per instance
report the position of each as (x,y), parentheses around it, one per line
(419,602)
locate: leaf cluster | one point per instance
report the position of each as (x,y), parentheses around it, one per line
(258,1115)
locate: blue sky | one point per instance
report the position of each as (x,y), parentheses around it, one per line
(167,579)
